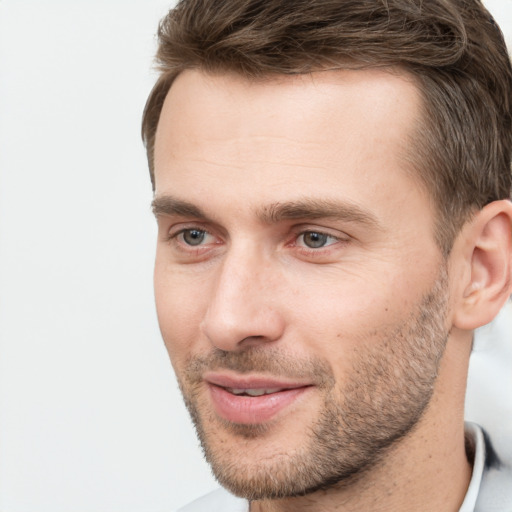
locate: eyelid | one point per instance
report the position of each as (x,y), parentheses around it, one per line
(331,232)
(214,238)
(179,227)
(324,254)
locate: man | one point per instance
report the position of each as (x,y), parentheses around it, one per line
(332,189)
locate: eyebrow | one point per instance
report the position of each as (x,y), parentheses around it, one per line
(304,209)
(316,209)
(168,205)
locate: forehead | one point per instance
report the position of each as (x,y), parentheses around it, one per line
(345,129)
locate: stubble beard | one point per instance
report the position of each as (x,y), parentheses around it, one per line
(390,388)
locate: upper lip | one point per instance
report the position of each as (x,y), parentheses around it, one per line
(251,381)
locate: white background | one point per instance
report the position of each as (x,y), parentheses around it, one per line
(90,416)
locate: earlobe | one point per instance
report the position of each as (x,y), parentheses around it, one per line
(489,282)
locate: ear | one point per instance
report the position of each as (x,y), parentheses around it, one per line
(487,283)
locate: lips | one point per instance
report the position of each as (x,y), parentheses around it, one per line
(252,400)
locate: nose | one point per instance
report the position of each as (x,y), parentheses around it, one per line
(243,309)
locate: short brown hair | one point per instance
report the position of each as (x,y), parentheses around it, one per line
(462,150)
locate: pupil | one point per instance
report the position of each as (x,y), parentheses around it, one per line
(315,240)
(193,236)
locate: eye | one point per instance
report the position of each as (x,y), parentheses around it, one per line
(193,237)
(191,244)
(315,239)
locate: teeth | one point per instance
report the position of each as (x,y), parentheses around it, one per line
(253,392)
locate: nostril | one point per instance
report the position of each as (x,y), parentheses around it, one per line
(242,328)
(251,341)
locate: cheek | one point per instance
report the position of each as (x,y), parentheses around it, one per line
(180,311)
(344,319)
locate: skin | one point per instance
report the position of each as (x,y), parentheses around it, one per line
(251,299)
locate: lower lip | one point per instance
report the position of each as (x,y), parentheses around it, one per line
(252,410)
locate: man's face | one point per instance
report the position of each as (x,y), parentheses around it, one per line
(299,290)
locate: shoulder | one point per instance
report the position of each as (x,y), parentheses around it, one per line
(495,490)
(488,404)
(217,501)
(489,489)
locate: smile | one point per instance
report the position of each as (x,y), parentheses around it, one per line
(252,400)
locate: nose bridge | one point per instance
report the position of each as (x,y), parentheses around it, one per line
(241,305)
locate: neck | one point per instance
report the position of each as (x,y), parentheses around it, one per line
(411,478)
(427,470)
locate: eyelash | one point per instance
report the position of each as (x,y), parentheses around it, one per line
(176,239)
